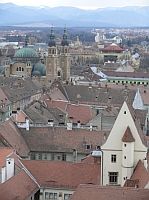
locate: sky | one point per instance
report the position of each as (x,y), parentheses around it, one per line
(85,4)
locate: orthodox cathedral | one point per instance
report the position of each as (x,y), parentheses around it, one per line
(27,63)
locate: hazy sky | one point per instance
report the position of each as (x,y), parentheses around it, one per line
(86,4)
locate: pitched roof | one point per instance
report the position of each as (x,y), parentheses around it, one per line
(63,174)
(77,112)
(128,137)
(4,152)
(16,89)
(9,134)
(39,113)
(98,95)
(139,178)
(19,187)
(87,192)
(113,48)
(60,139)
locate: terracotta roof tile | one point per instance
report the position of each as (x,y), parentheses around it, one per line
(10,134)
(19,187)
(4,152)
(128,137)
(87,192)
(63,174)
(77,112)
(62,140)
(139,178)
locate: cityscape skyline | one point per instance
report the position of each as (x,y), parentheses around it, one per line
(84,4)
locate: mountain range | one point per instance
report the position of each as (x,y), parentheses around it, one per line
(15,15)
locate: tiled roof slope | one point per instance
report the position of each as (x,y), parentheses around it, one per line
(19,187)
(61,140)
(16,89)
(63,174)
(99,95)
(77,112)
(9,133)
(87,192)
(128,137)
(139,178)
(4,152)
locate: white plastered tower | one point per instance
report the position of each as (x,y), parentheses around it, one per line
(122,150)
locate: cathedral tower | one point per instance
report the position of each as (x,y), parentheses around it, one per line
(65,57)
(52,59)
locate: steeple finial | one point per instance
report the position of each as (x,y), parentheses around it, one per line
(65,38)
(52,39)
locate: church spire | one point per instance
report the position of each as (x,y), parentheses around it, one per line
(52,39)
(65,38)
(138,102)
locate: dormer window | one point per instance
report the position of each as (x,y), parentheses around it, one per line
(88,146)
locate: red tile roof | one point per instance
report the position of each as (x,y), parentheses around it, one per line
(63,174)
(87,192)
(9,133)
(19,187)
(113,48)
(140,177)
(59,139)
(77,112)
(128,137)
(4,152)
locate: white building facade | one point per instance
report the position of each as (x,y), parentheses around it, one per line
(122,150)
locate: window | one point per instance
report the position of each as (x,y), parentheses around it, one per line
(125,145)
(39,156)
(67,196)
(124,157)
(113,178)
(125,112)
(45,156)
(88,146)
(58,157)
(64,157)
(113,158)
(50,195)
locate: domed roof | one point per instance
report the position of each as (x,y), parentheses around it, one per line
(26,53)
(39,69)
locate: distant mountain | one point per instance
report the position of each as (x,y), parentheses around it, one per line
(11,14)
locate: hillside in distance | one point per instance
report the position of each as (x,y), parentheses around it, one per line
(11,14)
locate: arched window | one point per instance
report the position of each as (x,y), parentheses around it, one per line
(22,69)
(17,69)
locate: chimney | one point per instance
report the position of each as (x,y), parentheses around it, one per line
(69,126)
(27,124)
(51,122)
(78,124)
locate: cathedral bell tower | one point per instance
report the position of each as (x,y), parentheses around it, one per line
(52,59)
(65,57)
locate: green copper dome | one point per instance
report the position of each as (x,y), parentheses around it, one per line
(26,53)
(39,69)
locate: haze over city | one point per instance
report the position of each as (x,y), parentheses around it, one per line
(85,4)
